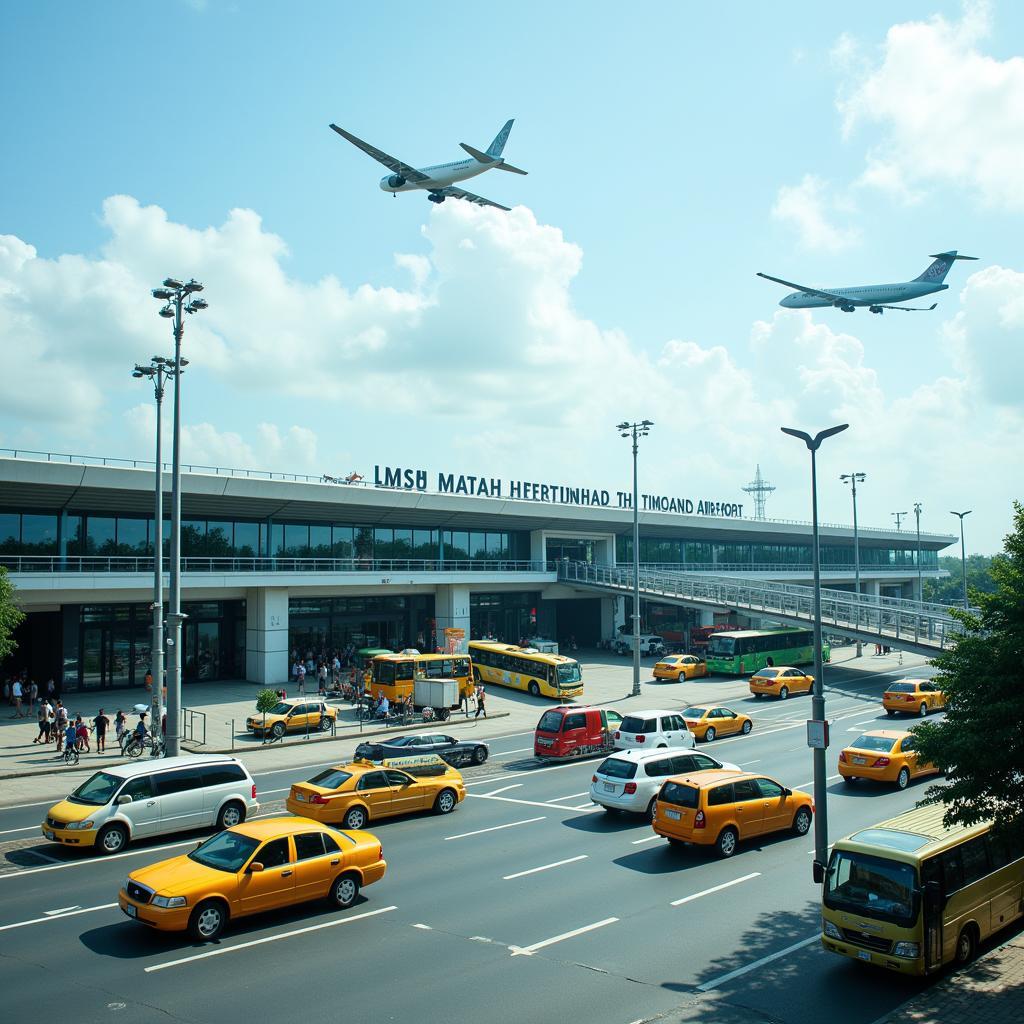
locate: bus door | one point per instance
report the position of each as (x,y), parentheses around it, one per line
(932,906)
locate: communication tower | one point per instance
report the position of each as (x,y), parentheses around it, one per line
(760,489)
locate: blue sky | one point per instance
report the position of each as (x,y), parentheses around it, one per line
(672,153)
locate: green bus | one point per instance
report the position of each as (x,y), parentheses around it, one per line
(745,651)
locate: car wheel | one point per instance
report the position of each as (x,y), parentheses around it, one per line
(726,843)
(325,723)
(849,779)
(784,693)
(966,945)
(208,921)
(609,810)
(674,842)
(710,734)
(758,696)
(802,821)
(479,755)
(344,891)
(277,730)
(924,709)
(446,802)
(231,814)
(355,818)
(747,726)
(651,808)
(890,712)
(112,839)
(534,688)
(903,779)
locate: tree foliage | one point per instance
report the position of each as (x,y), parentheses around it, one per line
(980,745)
(266,700)
(10,615)
(950,589)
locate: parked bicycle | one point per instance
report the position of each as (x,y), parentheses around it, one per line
(71,755)
(135,746)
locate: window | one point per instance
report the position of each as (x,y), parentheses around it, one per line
(617,768)
(908,745)
(309,844)
(273,854)
(769,790)
(373,780)
(574,722)
(138,789)
(703,762)
(952,871)
(682,763)
(638,725)
(974,857)
(720,795)
(221,774)
(397,779)
(746,789)
(660,768)
(330,778)
(680,795)
(181,781)
(330,843)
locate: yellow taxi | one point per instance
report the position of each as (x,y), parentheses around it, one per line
(707,723)
(353,794)
(257,866)
(293,715)
(884,755)
(913,697)
(720,808)
(781,682)
(678,667)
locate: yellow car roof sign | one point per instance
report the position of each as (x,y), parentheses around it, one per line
(414,761)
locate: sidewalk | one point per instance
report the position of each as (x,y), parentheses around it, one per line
(989,991)
(32,771)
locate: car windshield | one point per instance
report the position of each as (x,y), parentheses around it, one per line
(569,674)
(550,721)
(722,646)
(331,778)
(902,688)
(695,712)
(769,673)
(98,790)
(616,768)
(280,709)
(227,851)
(633,724)
(401,741)
(678,794)
(871,886)
(880,743)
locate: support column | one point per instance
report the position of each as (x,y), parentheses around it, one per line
(869,588)
(451,610)
(613,615)
(707,616)
(266,635)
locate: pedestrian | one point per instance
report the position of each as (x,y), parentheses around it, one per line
(33,696)
(16,695)
(481,698)
(302,680)
(60,716)
(44,724)
(321,676)
(51,721)
(119,721)
(69,737)
(51,690)
(335,671)
(101,722)
(140,727)
(81,734)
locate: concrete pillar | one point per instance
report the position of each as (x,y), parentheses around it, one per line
(604,551)
(451,610)
(613,615)
(266,635)
(707,616)
(538,552)
(869,587)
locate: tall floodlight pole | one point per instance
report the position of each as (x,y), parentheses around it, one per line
(177,299)
(818,692)
(899,517)
(920,578)
(636,431)
(853,479)
(963,550)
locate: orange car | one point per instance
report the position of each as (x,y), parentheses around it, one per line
(678,667)
(780,682)
(719,808)
(913,697)
(707,723)
(884,755)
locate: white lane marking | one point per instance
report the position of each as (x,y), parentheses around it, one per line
(530,950)
(831,778)
(647,839)
(504,789)
(220,950)
(62,910)
(545,867)
(722,979)
(144,852)
(518,750)
(38,803)
(714,888)
(423,927)
(494,828)
(743,764)
(586,807)
(267,792)
(56,916)
(529,772)
(525,803)
(294,768)
(27,828)
(562,799)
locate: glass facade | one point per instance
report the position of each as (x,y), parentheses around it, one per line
(321,625)
(506,616)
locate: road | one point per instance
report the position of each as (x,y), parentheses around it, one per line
(525,904)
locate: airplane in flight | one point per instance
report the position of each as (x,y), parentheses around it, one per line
(438,180)
(877,297)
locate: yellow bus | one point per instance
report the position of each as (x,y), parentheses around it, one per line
(393,674)
(523,668)
(912,896)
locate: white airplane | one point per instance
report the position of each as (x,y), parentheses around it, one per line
(439,180)
(877,297)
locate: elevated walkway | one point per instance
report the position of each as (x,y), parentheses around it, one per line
(918,627)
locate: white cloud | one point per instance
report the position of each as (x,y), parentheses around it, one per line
(948,113)
(809,209)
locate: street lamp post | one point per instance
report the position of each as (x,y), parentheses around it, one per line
(636,431)
(853,479)
(818,692)
(177,299)
(899,517)
(963,551)
(920,578)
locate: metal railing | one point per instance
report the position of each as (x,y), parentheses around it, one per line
(925,626)
(193,726)
(783,567)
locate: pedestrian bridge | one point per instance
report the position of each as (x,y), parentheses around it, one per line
(913,626)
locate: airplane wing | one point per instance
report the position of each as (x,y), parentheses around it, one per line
(831,296)
(460,193)
(396,166)
(911,309)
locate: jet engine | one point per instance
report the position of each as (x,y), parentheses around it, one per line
(847,308)
(876,309)
(396,181)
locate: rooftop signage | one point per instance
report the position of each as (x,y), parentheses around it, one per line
(399,479)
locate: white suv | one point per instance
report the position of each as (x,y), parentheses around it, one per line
(629,780)
(648,730)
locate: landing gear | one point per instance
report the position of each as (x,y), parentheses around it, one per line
(436,197)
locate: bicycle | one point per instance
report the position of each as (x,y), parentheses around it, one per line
(135,746)
(71,756)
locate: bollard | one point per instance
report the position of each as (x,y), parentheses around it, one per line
(232,735)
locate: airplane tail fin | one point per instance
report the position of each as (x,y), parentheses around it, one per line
(497,147)
(937,271)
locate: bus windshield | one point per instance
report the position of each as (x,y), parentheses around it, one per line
(721,647)
(569,675)
(872,886)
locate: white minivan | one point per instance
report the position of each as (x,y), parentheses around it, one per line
(647,730)
(154,798)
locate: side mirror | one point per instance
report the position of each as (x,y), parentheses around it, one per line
(818,870)
(786,791)
(124,798)
(255,867)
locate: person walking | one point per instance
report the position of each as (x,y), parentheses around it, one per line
(302,679)
(44,723)
(81,734)
(33,696)
(481,701)
(16,696)
(321,678)
(60,714)
(51,690)
(119,723)
(100,723)
(69,737)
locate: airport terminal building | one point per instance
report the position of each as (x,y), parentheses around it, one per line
(273,563)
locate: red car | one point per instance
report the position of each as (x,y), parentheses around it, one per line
(572,730)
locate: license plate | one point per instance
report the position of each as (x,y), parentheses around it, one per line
(49,835)
(863,954)
(674,815)
(130,910)
(544,743)
(860,760)
(300,797)
(609,787)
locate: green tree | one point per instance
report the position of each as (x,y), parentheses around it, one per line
(949,589)
(266,700)
(10,615)
(980,745)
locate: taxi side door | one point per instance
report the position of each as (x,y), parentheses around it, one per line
(315,866)
(932,696)
(797,681)
(726,722)
(274,886)
(407,793)
(777,814)
(374,791)
(908,748)
(748,807)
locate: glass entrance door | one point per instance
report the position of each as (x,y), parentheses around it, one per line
(202,651)
(575,550)
(106,656)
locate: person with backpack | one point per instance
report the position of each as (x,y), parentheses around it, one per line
(60,723)
(481,697)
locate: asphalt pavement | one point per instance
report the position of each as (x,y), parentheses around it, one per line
(525,904)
